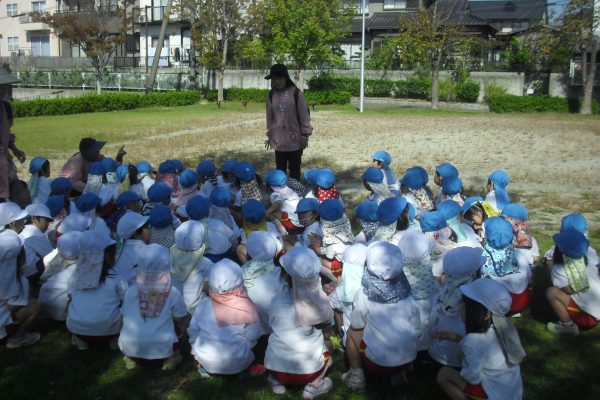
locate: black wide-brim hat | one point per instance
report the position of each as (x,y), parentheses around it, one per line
(278,70)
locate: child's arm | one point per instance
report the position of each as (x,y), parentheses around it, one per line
(472,365)
(275,207)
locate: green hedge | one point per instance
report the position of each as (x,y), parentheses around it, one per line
(316,97)
(103,102)
(505,103)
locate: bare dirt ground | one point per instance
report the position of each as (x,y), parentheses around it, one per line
(553,160)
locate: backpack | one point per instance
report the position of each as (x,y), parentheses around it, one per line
(523,238)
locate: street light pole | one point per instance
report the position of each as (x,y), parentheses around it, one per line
(362,62)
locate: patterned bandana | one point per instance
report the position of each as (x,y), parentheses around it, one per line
(369,229)
(499,262)
(326,194)
(296,186)
(250,190)
(254,269)
(381,190)
(576,273)
(338,231)
(153,291)
(184,261)
(420,277)
(423,198)
(385,233)
(385,292)
(450,296)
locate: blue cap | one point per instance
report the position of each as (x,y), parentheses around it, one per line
(55,203)
(516,211)
(60,185)
(390,210)
(96,168)
(373,175)
(87,202)
(383,157)
(188,178)
(197,208)
(498,232)
(126,198)
(307,204)
(574,221)
(451,186)
(414,179)
(311,176)
(366,211)
(206,168)
(331,210)
(170,166)
(122,172)
(325,178)
(245,171)
(499,178)
(470,202)
(220,197)
(109,164)
(422,172)
(449,209)
(143,167)
(276,177)
(433,221)
(229,166)
(253,211)
(160,216)
(572,243)
(447,170)
(36,164)
(159,192)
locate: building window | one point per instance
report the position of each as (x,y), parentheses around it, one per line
(394,4)
(38,6)
(40,46)
(13,44)
(11,10)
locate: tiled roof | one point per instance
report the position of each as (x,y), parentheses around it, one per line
(509,9)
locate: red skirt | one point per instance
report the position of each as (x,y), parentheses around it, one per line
(289,225)
(583,320)
(520,301)
(300,379)
(475,392)
(336,268)
(375,368)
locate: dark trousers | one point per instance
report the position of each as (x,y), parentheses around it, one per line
(291,160)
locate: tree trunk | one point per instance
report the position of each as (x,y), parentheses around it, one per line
(220,96)
(301,78)
(589,73)
(435,83)
(98,85)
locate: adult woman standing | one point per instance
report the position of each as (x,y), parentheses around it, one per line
(288,121)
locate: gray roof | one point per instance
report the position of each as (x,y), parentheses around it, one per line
(516,10)
(380,21)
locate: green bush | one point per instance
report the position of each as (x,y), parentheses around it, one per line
(327,97)
(492,89)
(239,94)
(447,91)
(504,103)
(378,88)
(330,82)
(413,88)
(102,102)
(313,97)
(468,91)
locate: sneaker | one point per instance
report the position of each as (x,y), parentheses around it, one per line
(171,363)
(355,379)
(517,315)
(276,386)
(129,363)
(79,343)
(560,328)
(317,388)
(203,373)
(113,344)
(25,340)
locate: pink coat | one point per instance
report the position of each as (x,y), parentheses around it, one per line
(290,133)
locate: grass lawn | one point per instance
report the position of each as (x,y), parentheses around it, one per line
(553,160)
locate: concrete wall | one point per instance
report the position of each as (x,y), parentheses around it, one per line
(40,93)
(558,85)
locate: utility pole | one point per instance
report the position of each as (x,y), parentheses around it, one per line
(159,45)
(362,62)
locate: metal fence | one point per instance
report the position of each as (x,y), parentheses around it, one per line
(111,81)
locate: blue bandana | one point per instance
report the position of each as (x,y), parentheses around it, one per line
(385,292)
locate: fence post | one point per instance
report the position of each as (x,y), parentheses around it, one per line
(49,80)
(83,81)
(119,80)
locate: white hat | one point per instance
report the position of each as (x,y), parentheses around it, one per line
(261,246)
(225,276)
(463,261)
(75,222)
(38,210)
(154,259)
(301,262)
(91,241)
(129,223)
(190,236)
(415,246)
(489,293)
(68,245)
(355,254)
(385,260)
(10,212)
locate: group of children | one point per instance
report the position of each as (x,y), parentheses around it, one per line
(144,259)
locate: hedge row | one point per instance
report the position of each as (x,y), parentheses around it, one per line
(103,102)
(505,103)
(411,88)
(313,97)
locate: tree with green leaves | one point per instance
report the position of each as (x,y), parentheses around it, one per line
(305,33)
(580,26)
(97,27)
(432,35)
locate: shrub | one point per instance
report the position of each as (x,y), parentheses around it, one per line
(504,103)
(468,91)
(447,91)
(492,89)
(330,82)
(378,88)
(413,88)
(327,97)
(313,97)
(102,102)
(239,94)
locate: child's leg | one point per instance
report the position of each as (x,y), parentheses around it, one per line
(26,316)
(559,302)
(327,338)
(241,254)
(353,347)
(452,383)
